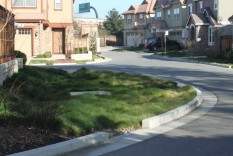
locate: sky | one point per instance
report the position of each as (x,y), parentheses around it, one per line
(104,6)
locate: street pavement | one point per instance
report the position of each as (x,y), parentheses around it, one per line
(209,135)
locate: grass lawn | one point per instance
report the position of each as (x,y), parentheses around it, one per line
(215,60)
(40,97)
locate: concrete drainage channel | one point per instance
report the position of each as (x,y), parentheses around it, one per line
(103,137)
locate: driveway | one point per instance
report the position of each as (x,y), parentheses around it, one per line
(210,135)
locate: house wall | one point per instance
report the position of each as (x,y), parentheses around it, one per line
(225,10)
(65,15)
(42,19)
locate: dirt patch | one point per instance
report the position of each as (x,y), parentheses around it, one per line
(16,138)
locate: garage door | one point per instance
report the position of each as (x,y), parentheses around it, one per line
(23,41)
(133,39)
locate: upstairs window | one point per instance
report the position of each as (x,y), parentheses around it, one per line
(168,14)
(215,4)
(24,3)
(190,9)
(58,5)
(176,13)
(159,15)
(129,19)
(201,5)
(141,18)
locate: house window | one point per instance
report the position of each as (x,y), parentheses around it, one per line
(141,18)
(215,4)
(190,9)
(58,5)
(176,13)
(24,3)
(201,5)
(159,15)
(129,19)
(168,14)
(210,36)
(24,31)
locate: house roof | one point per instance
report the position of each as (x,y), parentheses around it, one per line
(230,18)
(145,7)
(204,18)
(167,3)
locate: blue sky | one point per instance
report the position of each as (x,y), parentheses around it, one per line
(104,6)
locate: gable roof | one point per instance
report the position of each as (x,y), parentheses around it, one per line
(145,7)
(167,3)
(205,18)
(132,10)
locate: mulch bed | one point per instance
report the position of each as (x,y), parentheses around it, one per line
(16,138)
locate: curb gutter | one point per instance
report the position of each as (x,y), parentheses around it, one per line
(67,146)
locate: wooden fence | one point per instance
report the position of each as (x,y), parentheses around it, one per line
(6,33)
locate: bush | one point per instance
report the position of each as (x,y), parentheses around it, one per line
(49,63)
(110,43)
(229,55)
(80,50)
(40,114)
(19,54)
(47,54)
(40,56)
(141,46)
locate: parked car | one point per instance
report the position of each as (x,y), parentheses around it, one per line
(155,43)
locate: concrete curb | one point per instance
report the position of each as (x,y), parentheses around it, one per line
(67,146)
(179,112)
(187,59)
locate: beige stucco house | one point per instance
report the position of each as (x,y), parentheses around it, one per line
(137,22)
(170,16)
(42,25)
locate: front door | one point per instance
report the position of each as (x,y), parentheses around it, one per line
(58,41)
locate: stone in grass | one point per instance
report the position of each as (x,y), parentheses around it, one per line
(91,92)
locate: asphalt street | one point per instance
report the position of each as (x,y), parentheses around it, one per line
(210,135)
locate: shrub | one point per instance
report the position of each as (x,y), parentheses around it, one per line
(40,56)
(47,54)
(110,43)
(19,54)
(49,63)
(40,114)
(76,50)
(229,55)
(141,46)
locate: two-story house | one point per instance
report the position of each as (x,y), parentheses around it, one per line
(137,21)
(42,25)
(170,15)
(207,21)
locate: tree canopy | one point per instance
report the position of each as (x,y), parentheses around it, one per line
(114,22)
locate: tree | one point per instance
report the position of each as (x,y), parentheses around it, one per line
(114,23)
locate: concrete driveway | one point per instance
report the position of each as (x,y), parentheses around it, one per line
(210,135)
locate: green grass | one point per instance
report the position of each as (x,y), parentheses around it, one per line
(215,60)
(133,98)
(173,54)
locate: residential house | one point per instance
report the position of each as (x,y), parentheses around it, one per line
(137,21)
(170,15)
(42,25)
(6,34)
(84,28)
(208,24)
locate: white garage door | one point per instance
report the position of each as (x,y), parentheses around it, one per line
(23,41)
(133,39)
